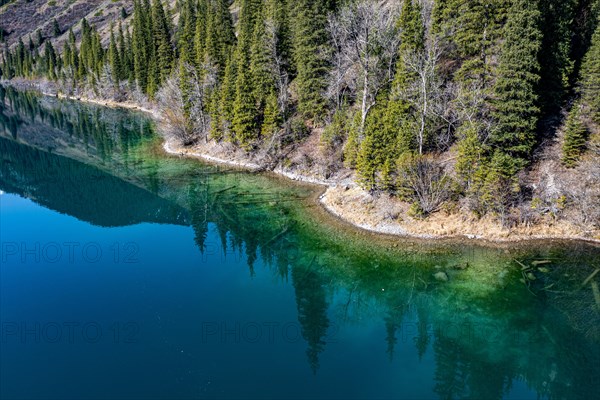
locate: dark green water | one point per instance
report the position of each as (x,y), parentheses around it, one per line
(126,273)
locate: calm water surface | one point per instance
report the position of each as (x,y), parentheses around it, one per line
(126,273)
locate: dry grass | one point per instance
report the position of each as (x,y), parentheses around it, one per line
(386,214)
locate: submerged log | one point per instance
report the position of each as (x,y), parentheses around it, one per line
(589,278)
(596,292)
(540,262)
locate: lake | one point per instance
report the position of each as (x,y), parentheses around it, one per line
(128,273)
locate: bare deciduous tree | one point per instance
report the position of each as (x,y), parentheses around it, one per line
(427,94)
(426,181)
(365,38)
(108,86)
(278,65)
(187,116)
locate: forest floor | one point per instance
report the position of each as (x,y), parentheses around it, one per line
(343,198)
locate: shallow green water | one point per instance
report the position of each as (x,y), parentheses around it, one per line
(126,273)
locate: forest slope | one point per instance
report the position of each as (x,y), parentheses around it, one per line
(462,110)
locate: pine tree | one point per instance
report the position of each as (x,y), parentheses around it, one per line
(555,53)
(575,137)
(387,178)
(142,44)
(130,58)
(56,28)
(84,49)
(123,54)
(590,72)
(186,33)
(200,32)
(472,153)
(97,60)
(50,58)
(412,40)
(114,58)
(260,65)
(151,50)
(162,42)
(224,112)
(516,110)
(219,39)
(272,119)
(366,163)
(396,128)
(412,29)
(309,39)
(276,12)
(39,37)
(244,123)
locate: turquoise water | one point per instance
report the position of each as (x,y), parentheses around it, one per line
(126,273)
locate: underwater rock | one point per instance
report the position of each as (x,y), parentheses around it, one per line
(441,276)
(461,266)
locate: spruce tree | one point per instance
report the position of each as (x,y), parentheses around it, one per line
(39,37)
(395,126)
(272,118)
(555,53)
(244,123)
(50,58)
(309,35)
(276,13)
(224,113)
(472,153)
(130,58)
(200,31)
(162,42)
(186,33)
(590,72)
(85,49)
(575,137)
(516,110)
(123,54)
(114,58)
(367,163)
(219,37)
(56,28)
(151,50)
(260,65)
(139,48)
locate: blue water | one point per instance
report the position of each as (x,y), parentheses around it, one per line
(129,274)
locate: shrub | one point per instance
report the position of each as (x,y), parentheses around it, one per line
(425,182)
(575,138)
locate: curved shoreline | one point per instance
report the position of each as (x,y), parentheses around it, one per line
(387,229)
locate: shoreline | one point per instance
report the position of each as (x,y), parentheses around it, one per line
(329,197)
(391,230)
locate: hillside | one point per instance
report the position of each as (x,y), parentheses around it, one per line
(430,110)
(21,19)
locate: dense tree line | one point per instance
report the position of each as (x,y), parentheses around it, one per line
(393,84)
